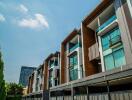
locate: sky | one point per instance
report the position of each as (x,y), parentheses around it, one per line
(32,29)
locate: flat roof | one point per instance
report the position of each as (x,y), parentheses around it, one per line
(98,10)
(70,36)
(52,55)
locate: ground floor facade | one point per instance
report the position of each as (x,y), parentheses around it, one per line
(110,85)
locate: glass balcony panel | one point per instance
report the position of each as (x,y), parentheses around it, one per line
(106,23)
(74,47)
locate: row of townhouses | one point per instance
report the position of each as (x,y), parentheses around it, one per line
(94,62)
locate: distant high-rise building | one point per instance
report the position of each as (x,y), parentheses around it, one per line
(24,75)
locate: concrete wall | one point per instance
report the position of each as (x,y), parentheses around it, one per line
(34,81)
(124,28)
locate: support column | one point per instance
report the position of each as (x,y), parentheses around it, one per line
(87,92)
(63,94)
(72,93)
(108,90)
(56,94)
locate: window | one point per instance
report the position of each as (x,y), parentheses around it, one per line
(113,55)
(110,38)
(73,70)
(51,63)
(105,42)
(56,63)
(115,59)
(119,57)
(73,74)
(73,61)
(109,62)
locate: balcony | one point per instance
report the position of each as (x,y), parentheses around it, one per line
(93,52)
(109,21)
(74,47)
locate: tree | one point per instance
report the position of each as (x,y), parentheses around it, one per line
(14,91)
(2,81)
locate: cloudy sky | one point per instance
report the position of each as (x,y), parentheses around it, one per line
(31,29)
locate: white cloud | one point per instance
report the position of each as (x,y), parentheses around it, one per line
(38,21)
(23,8)
(42,20)
(2,18)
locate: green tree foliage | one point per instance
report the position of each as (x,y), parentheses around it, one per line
(14,91)
(2,82)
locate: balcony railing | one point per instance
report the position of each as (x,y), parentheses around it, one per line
(93,52)
(109,21)
(74,47)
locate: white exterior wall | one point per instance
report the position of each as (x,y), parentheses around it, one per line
(130,6)
(80,63)
(125,33)
(80,67)
(67,63)
(34,81)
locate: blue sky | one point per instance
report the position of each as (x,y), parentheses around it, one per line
(31,29)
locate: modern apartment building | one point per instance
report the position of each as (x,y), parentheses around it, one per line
(53,61)
(36,83)
(95,60)
(24,74)
(106,56)
(71,57)
(39,78)
(45,76)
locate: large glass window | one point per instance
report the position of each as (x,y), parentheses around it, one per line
(73,70)
(105,42)
(73,74)
(113,55)
(109,62)
(119,57)
(115,59)
(73,61)
(110,38)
